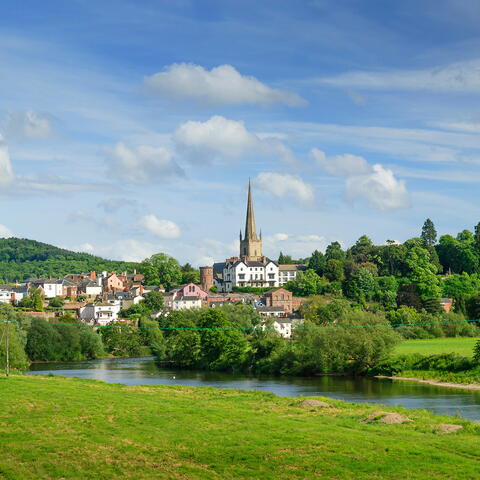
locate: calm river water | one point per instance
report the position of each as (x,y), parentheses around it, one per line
(144,371)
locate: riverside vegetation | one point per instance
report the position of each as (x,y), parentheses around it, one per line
(53,427)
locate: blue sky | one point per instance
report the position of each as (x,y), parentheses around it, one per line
(132,127)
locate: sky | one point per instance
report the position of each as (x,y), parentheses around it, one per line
(132,127)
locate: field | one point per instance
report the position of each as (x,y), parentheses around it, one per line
(65,428)
(461,345)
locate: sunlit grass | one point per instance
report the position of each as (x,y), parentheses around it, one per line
(461,345)
(53,428)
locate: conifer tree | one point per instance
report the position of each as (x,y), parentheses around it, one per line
(429,234)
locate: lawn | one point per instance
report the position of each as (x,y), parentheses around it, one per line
(461,345)
(66,428)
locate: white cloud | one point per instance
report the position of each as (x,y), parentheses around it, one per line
(160,228)
(470,127)
(463,77)
(222,139)
(5,232)
(29,124)
(84,247)
(283,185)
(6,170)
(141,165)
(298,246)
(377,185)
(379,188)
(340,165)
(127,249)
(222,85)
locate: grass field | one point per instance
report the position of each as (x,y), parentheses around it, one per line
(65,428)
(461,345)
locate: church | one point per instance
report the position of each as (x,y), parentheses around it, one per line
(251,268)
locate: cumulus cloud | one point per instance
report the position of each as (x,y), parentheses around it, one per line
(374,183)
(29,125)
(222,139)
(284,185)
(6,170)
(222,85)
(141,165)
(461,77)
(340,165)
(160,228)
(379,188)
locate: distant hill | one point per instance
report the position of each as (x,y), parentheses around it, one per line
(21,258)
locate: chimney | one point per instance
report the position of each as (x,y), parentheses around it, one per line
(93,276)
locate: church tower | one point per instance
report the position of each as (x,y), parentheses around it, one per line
(251,244)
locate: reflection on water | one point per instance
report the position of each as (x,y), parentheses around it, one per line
(144,371)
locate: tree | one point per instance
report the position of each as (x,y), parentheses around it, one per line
(361,286)
(285,259)
(153,302)
(334,251)
(317,262)
(56,302)
(91,345)
(9,325)
(43,342)
(429,234)
(161,269)
(458,255)
(362,251)
(190,274)
(422,273)
(305,284)
(334,270)
(121,340)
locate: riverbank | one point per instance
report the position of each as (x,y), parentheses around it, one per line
(436,383)
(57,427)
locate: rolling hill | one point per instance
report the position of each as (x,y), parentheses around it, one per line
(21,258)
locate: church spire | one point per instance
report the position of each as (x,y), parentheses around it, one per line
(250,228)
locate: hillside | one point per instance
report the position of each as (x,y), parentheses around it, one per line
(68,428)
(21,258)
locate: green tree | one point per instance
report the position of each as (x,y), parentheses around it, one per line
(10,325)
(305,284)
(334,270)
(334,252)
(317,262)
(224,347)
(161,269)
(43,342)
(56,302)
(91,345)
(423,273)
(190,274)
(362,286)
(362,251)
(429,233)
(120,340)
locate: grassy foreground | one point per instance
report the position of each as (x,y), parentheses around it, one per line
(66,428)
(432,346)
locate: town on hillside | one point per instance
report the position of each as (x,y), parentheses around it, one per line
(98,298)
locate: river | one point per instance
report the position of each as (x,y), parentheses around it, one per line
(144,371)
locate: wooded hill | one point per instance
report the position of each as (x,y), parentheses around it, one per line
(21,258)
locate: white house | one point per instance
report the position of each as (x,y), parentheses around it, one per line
(283,326)
(245,273)
(182,302)
(289,272)
(51,287)
(100,313)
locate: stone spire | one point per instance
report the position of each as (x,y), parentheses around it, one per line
(250,245)
(250,229)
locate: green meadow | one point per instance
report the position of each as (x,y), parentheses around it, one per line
(433,346)
(66,428)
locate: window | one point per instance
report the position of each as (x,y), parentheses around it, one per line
(271,276)
(241,276)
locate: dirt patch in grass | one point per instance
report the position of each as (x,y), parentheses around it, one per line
(312,403)
(447,428)
(386,417)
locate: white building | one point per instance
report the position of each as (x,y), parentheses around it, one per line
(182,302)
(51,287)
(100,313)
(289,272)
(283,326)
(245,273)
